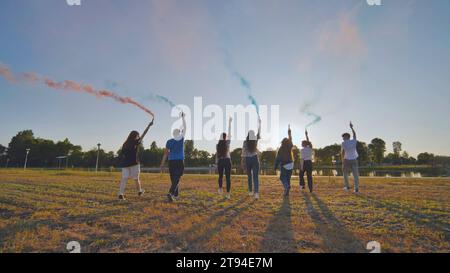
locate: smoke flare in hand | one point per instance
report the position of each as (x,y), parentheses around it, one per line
(67,85)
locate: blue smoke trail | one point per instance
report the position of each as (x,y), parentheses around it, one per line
(163,99)
(316,118)
(242,80)
(247,86)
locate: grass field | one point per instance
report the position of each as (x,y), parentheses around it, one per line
(41,211)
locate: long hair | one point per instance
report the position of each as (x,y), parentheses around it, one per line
(285,151)
(222,147)
(251,144)
(306,143)
(131,139)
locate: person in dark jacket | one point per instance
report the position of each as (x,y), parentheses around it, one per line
(285,160)
(306,165)
(130,161)
(223,160)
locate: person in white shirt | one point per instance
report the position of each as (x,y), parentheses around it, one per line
(306,166)
(350,159)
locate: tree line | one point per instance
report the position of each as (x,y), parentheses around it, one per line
(45,153)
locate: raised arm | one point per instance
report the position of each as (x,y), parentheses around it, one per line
(146,130)
(353,130)
(290,133)
(183,129)
(307,136)
(229,128)
(259,128)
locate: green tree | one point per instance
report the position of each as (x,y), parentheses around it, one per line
(18,145)
(189,152)
(2,149)
(377,148)
(363,153)
(152,157)
(268,160)
(425,158)
(397,148)
(3,155)
(325,155)
(236,157)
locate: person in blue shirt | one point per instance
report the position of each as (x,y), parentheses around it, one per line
(174,152)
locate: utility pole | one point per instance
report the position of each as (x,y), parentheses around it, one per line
(26,159)
(98,155)
(5,154)
(67,158)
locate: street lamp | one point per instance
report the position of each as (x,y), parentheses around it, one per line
(98,154)
(67,158)
(5,154)
(26,159)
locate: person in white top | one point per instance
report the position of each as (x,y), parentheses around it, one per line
(350,159)
(306,154)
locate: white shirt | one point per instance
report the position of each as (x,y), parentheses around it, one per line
(306,153)
(289,166)
(349,147)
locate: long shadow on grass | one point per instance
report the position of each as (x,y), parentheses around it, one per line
(336,238)
(421,219)
(279,235)
(189,243)
(64,223)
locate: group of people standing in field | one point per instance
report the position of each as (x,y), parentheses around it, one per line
(174,154)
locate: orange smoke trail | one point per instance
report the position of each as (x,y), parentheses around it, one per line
(6,73)
(69,85)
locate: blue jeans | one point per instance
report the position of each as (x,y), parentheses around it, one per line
(351,166)
(252,164)
(285,177)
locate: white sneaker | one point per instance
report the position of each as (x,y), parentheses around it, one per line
(220,191)
(256,196)
(250,193)
(346,189)
(227,196)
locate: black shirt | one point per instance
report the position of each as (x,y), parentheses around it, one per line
(130,154)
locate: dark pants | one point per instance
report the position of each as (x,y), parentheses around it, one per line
(224,165)
(253,173)
(307,167)
(285,177)
(176,169)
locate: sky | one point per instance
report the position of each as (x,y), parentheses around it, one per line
(385,68)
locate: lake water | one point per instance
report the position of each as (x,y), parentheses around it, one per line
(390,173)
(426,172)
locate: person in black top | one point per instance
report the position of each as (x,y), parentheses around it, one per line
(285,160)
(130,161)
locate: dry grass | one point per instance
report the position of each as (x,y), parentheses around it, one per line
(40,211)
